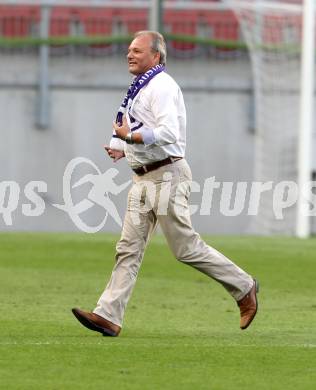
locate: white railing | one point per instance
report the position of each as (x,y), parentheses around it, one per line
(143,4)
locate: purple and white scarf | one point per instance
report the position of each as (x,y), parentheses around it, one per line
(137,84)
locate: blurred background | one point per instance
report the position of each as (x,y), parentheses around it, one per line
(63,75)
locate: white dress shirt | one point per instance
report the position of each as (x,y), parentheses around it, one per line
(159,106)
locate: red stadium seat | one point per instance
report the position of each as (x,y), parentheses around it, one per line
(60,26)
(182,22)
(131,20)
(60,19)
(280,29)
(222,25)
(18,21)
(96,22)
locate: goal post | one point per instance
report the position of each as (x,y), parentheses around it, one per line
(306,115)
(280,39)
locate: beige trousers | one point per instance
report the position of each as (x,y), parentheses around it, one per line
(161,196)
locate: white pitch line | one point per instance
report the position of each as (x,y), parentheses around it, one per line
(103,343)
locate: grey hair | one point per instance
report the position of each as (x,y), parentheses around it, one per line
(158,44)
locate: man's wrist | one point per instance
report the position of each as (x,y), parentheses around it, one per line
(129,138)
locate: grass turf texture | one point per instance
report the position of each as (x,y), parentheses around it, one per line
(181,329)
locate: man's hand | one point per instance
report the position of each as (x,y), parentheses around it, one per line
(121,131)
(114,154)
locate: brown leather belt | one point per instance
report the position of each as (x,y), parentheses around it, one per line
(155,165)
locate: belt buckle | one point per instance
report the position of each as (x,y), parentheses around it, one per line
(174,159)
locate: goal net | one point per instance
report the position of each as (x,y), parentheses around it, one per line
(273,33)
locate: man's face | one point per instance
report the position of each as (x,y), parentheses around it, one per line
(140,55)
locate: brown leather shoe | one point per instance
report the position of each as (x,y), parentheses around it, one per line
(248,306)
(97,323)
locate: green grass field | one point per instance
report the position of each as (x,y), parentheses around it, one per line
(181,329)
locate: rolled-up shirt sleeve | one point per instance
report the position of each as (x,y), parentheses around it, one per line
(164,109)
(148,135)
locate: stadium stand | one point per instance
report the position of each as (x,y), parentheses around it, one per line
(21,21)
